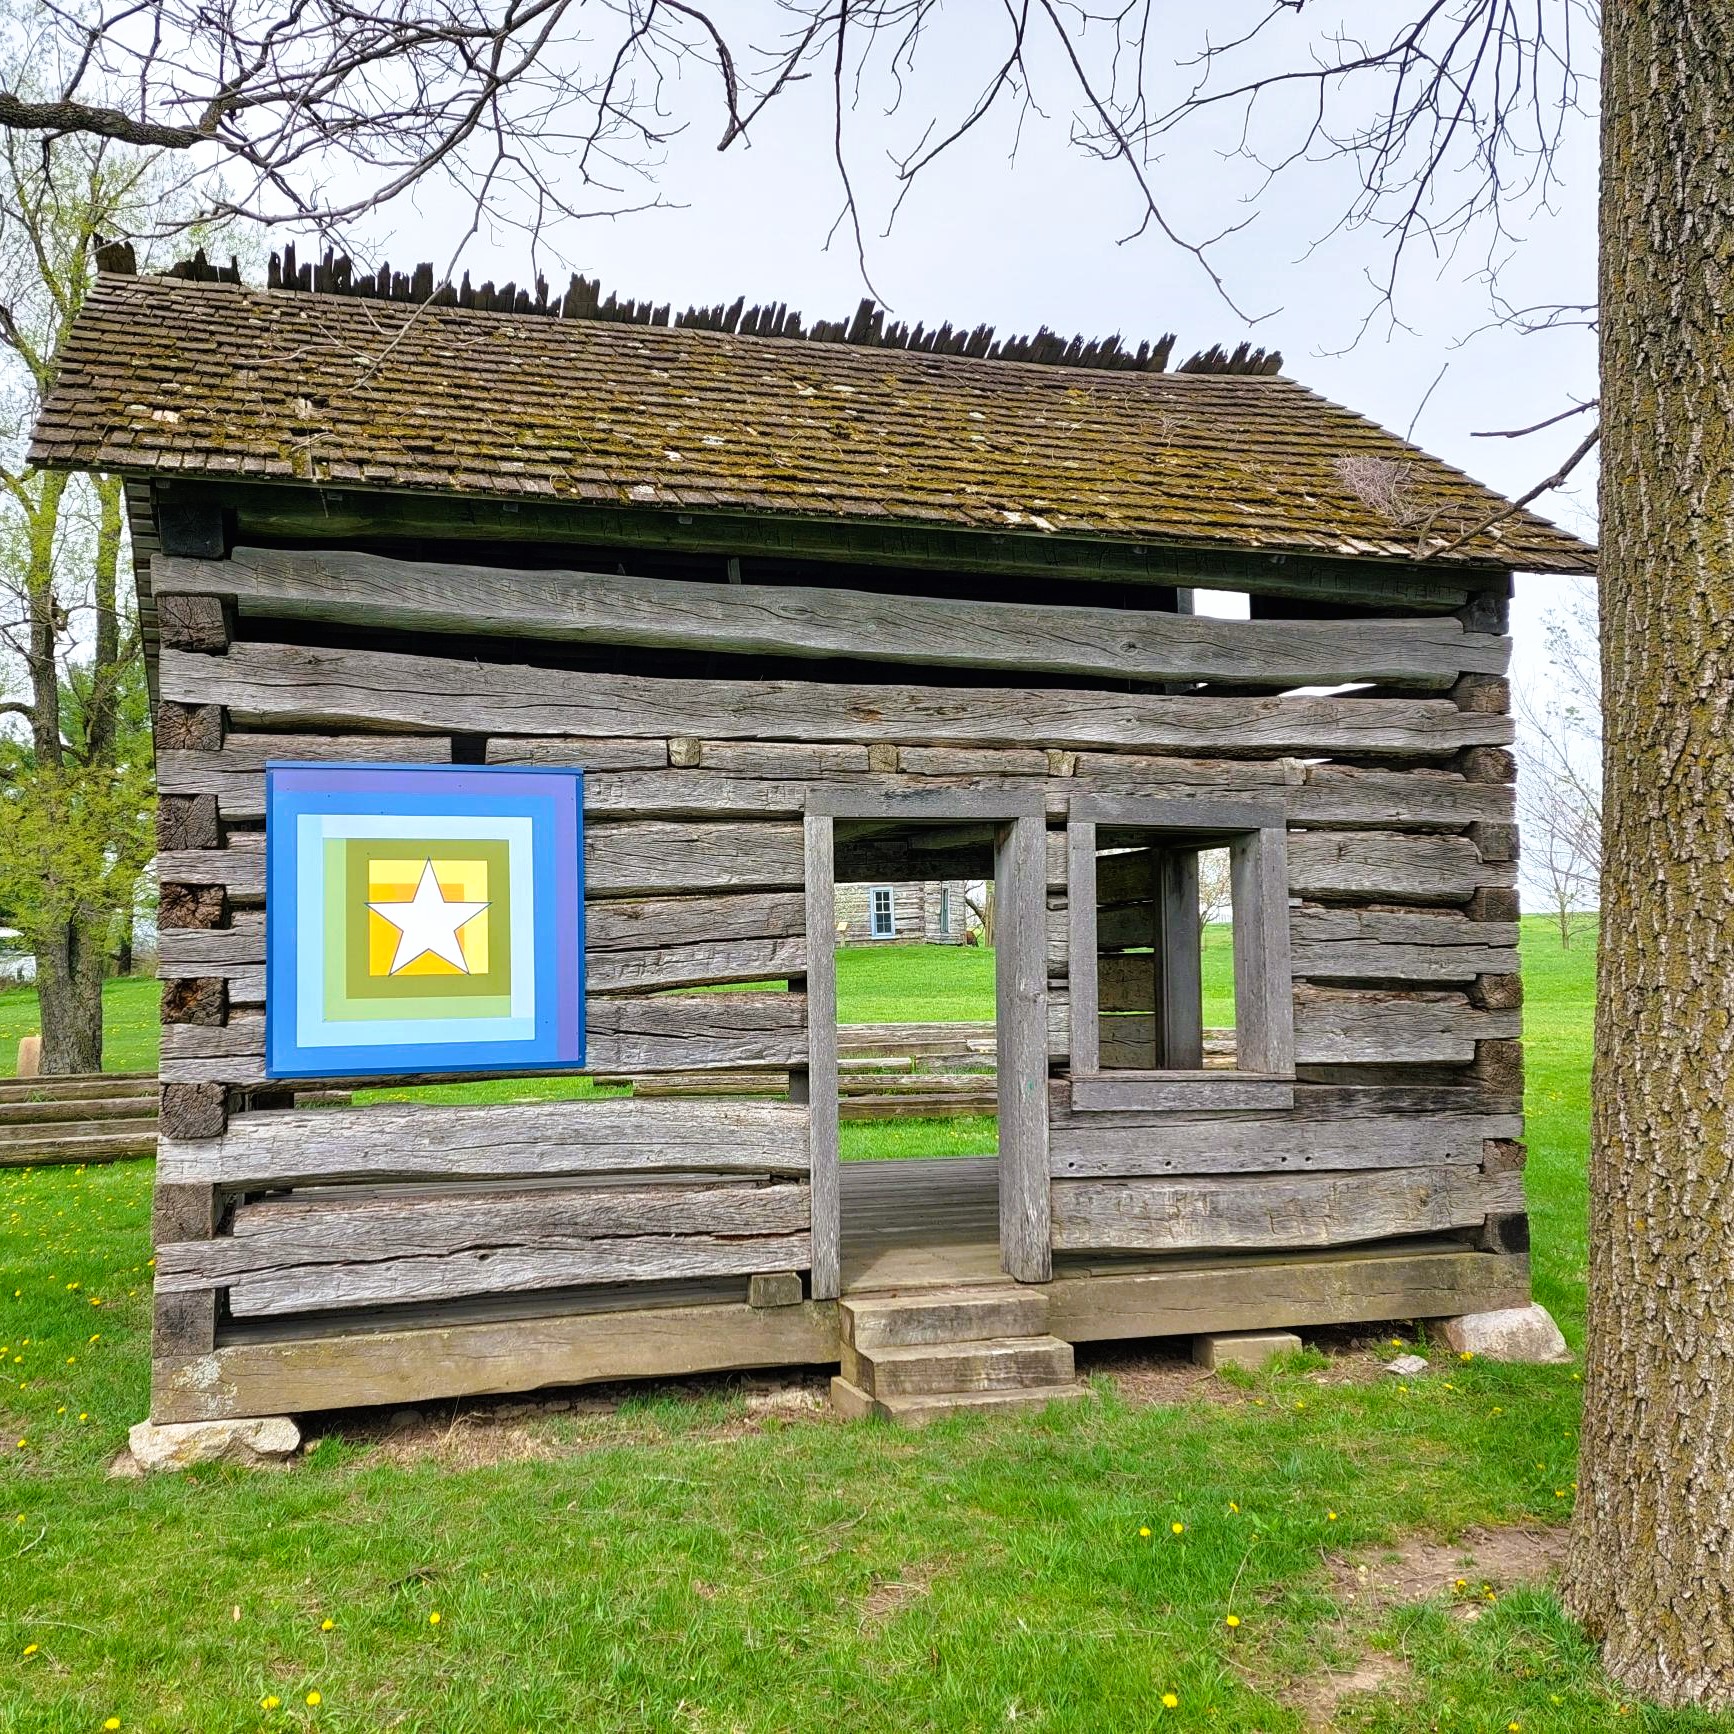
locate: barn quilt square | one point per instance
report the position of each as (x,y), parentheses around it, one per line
(422,918)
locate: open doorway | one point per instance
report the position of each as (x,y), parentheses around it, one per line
(928,1050)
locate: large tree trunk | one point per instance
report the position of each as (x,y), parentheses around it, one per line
(69,991)
(1651,1573)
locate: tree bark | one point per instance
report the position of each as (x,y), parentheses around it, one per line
(1651,1570)
(69,992)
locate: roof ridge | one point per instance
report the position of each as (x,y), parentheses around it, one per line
(335,274)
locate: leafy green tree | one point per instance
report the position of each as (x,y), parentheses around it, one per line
(75,763)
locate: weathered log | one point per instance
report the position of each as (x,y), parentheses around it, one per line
(512,1270)
(629,1034)
(454,1359)
(189,728)
(1391,945)
(436,1141)
(200,999)
(191,1111)
(675,966)
(191,907)
(192,624)
(277,685)
(1346,1026)
(1271,1211)
(1089,1145)
(1104,644)
(426,1246)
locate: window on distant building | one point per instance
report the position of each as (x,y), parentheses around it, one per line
(881,913)
(944,910)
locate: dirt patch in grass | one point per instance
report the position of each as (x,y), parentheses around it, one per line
(891,1596)
(1472,1571)
(1480,1563)
(1318,1699)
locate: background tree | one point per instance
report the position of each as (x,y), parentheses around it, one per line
(75,767)
(1559,791)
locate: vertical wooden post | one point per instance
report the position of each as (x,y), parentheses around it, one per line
(1021,995)
(1086,1044)
(1180,987)
(1263,976)
(821,871)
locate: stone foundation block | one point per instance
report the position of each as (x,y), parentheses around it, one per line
(1248,1350)
(179,1445)
(1526,1334)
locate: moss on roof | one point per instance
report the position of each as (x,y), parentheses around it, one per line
(168,377)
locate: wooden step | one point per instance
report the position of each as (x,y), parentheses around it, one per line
(853,1403)
(937,1369)
(960,1315)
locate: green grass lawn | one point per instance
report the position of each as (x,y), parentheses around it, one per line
(129,1023)
(684,1564)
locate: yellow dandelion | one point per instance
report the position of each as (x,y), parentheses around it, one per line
(1300,1402)
(85,1416)
(1232,1621)
(112,1722)
(1232,1506)
(31,1649)
(1513,1727)
(433,1619)
(328,1625)
(1467,1355)
(1170,1701)
(23,1444)
(1461,1584)
(1178,1528)
(1330,1517)
(314,1700)
(1145,1532)
(269,1702)
(1559,1493)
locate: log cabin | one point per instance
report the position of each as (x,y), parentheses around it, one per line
(812,606)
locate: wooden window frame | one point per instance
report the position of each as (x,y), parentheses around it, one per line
(890,912)
(1257,840)
(1020,873)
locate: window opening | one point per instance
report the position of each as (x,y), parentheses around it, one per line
(1179,947)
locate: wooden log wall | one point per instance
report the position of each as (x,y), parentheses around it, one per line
(1401,851)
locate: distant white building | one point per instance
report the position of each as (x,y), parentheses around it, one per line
(16,962)
(914,912)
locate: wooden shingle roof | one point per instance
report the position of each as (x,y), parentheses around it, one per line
(174,378)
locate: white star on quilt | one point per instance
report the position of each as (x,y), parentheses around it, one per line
(428,924)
